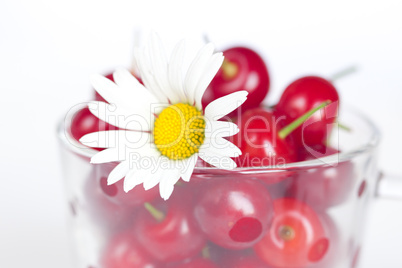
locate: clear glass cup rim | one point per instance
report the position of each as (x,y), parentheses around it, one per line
(68,141)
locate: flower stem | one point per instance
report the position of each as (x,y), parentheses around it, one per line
(284,132)
(157,214)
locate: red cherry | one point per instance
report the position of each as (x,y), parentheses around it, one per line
(242,69)
(316,151)
(279,189)
(301,96)
(84,122)
(334,249)
(123,251)
(259,141)
(324,186)
(175,237)
(296,236)
(248,261)
(197,263)
(115,192)
(207,97)
(234,213)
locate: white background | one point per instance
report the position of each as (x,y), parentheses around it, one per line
(48,49)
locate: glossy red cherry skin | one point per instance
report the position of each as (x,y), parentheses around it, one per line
(324,186)
(280,189)
(315,151)
(115,192)
(259,141)
(123,251)
(208,97)
(245,261)
(296,237)
(196,263)
(332,256)
(84,122)
(243,69)
(234,213)
(177,236)
(303,95)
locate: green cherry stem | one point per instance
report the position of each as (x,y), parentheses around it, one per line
(344,127)
(284,132)
(205,253)
(157,214)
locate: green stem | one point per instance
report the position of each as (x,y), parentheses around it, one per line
(157,214)
(284,132)
(205,253)
(344,127)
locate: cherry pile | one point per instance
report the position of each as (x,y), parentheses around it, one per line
(232,220)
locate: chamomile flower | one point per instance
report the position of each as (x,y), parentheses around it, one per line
(164,129)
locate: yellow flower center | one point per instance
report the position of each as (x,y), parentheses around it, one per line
(179,131)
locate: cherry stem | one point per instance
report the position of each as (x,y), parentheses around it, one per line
(343,73)
(344,127)
(230,69)
(205,253)
(284,132)
(287,233)
(157,214)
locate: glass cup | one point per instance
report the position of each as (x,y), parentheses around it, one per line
(304,214)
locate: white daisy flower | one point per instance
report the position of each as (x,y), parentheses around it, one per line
(165,127)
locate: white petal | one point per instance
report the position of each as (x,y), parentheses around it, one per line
(224,105)
(133,118)
(134,94)
(154,178)
(147,77)
(160,67)
(118,172)
(116,139)
(108,155)
(220,129)
(125,96)
(222,162)
(146,175)
(154,70)
(168,180)
(127,82)
(141,171)
(136,47)
(175,70)
(105,87)
(189,165)
(220,147)
(131,180)
(147,163)
(208,74)
(151,181)
(195,71)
